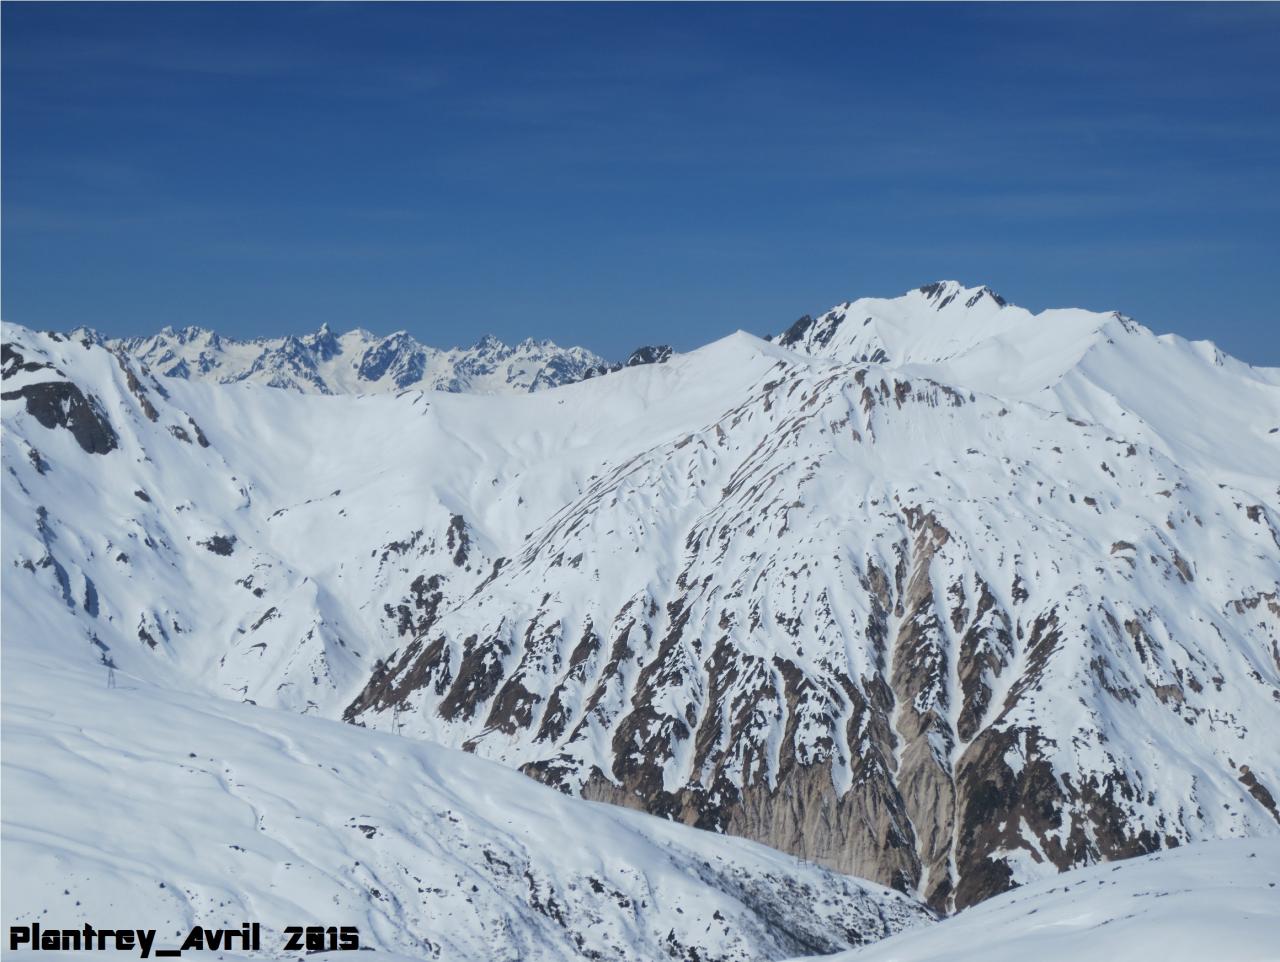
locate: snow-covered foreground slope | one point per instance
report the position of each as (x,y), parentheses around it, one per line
(948,630)
(1209,902)
(142,806)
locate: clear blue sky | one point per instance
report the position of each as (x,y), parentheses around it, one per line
(624,174)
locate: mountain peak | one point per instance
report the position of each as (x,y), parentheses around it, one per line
(943,293)
(323,342)
(965,336)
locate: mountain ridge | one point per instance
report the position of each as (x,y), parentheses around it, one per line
(357,361)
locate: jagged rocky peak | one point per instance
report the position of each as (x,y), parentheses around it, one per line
(397,357)
(530,344)
(488,344)
(942,293)
(652,354)
(324,343)
(795,334)
(188,334)
(649,354)
(86,335)
(325,362)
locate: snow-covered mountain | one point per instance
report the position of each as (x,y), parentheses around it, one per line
(930,590)
(1213,900)
(357,361)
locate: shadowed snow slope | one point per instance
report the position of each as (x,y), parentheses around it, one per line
(1216,901)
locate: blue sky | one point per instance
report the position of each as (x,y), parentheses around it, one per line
(622,174)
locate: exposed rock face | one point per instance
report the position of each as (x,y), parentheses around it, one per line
(220,544)
(61,404)
(650,354)
(57,403)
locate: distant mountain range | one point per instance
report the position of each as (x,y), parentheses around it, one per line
(358,362)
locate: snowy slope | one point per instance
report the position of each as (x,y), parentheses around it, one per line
(358,361)
(948,631)
(139,805)
(1214,900)
(251,558)
(1189,399)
